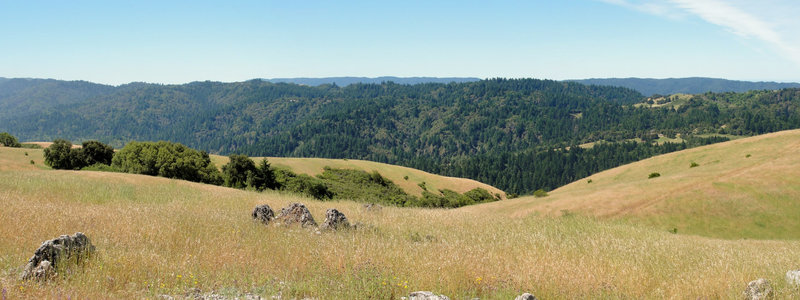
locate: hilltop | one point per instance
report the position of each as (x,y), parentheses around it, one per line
(745,188)
(345,81)
(157,236)
(692,85)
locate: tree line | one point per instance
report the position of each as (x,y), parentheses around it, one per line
(174,160)
(447,129)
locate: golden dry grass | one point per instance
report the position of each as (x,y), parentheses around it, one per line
(728,195)
(433,182)
(160,236)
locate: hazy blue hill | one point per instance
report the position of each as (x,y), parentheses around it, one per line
(20,97)
(345,81)
(692,85)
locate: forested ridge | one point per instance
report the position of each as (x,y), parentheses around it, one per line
(511,133)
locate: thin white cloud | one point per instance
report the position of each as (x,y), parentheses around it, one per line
(772,21)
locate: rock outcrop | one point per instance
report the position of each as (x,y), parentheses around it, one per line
(525,296)
(56,252)
(372,207)
(425,295)
(296,213)
(334,219)
(758,289)
(793,278)
(263,214)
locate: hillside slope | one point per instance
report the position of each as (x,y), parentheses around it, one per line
(156,236)
(397,174)
(692,85)
(747,188)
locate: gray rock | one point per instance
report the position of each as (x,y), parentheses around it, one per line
(758,289)
(372,207)
(42,265)
(793,277)
(296,213)
(263,214)
(334,219)
(425,295)
(525,296)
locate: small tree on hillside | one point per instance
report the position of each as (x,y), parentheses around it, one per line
(263,177)
(60,155)
(95,152)
(239,171)
(8,140)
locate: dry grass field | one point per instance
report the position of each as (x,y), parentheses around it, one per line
(159,236)
(746,188)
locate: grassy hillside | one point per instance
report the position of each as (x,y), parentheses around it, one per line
(160,236)
(746,188)
(433,182)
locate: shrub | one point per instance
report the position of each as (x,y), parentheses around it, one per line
(540,193)
(165,159)
(237,171)
(9,140)
(101,168)
(653,175)
(302,183)
(479,195)
(60,155)
(94,152)
(694,164)
(364,186)
(263,177)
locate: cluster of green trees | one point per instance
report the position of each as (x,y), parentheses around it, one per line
(443,128)
(174,160)
(449,198)
(9,140)
(61,155)
(166,159)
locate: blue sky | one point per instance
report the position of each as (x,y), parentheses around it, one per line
(117,42)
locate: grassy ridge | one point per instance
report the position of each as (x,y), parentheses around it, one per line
(746,188)
(160,236)
(433,182)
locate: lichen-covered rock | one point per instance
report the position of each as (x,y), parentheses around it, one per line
(525,296)
(372,207)
(296,213)
(263,214)
(334,219)
(793,277)
(758,289)
(42,265)
(425,295)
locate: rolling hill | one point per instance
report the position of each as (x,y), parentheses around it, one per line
(157,236)
(746,188)
(692,85)
(397,174)
(498,131)
(345,81)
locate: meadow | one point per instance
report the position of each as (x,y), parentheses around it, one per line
(160,236)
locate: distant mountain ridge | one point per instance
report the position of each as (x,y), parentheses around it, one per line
(691,85)
(345,81)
